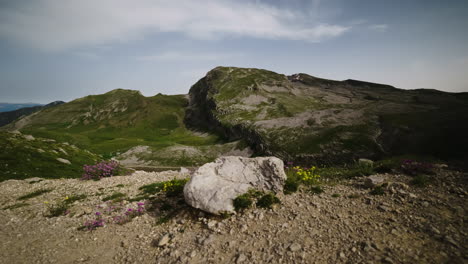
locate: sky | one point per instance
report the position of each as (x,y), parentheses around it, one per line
(66,49)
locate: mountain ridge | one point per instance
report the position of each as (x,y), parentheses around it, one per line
(247,111)
(363,118)
(10,116)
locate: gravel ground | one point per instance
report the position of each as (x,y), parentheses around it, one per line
(344,224)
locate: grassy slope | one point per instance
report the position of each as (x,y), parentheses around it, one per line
(21,158)
(431,115)
(98,122)
(234,84)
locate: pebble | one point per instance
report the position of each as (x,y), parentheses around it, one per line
(164,240)
(295,247)
(241,258)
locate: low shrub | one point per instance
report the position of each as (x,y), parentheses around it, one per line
(172,188)
(101,170)
(414,168)
(346,172)
(93,224)
(291,186)
(316,189)
(378,190)
(108,215)
(308,176)
(73,198)
(420,180)
(58,209)
(298,175)
(261,199)
(115,197)
(267,200)
(61,208)
(242,202)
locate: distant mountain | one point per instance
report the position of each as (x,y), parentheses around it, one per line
(317,121)
(10,116)
(5,107)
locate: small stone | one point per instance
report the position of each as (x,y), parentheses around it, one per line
(384,208)
(64,161)
(211,224)
(193,254)
(241,258)
(353,249)
(164,240)
(373,181)
(209,240)
(184,170)
(435,230)
(260,216)
(231,243)
(425,204)
(28,137)
(244,228)
(295,247)
(451,241)
(387,260)
(34,180)
(366,162)
(342,255)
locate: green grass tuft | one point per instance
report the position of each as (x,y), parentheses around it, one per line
(34,194)
(242,202)
(14,206)
(115,197)
(316,189)
(268,200)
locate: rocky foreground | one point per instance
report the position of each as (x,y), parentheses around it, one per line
(344,224)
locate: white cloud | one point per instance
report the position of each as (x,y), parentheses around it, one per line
(63,24)
(379,27)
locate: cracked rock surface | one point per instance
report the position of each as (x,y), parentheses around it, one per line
(214,185)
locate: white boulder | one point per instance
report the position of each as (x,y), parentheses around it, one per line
(215,185)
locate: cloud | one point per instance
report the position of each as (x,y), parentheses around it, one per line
(59,25)
(379,27)
(188,56)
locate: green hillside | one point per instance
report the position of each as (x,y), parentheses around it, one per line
(114,122)
(25,157)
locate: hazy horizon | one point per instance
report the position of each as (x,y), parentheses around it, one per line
(63,50)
